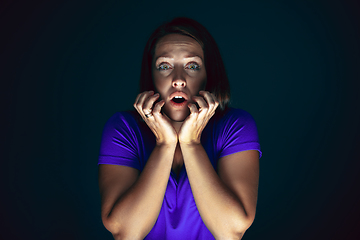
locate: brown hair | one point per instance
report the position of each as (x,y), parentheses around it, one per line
(217,80)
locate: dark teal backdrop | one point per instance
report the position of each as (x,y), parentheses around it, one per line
(67,66)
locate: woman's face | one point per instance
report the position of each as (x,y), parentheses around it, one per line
(179,73)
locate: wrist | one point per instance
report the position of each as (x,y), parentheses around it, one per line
(166,144)
(193,143)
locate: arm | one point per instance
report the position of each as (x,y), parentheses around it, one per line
(126,195)
(226,202)
(131,201)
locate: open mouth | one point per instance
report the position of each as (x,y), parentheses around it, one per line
(178,102)
(178,99)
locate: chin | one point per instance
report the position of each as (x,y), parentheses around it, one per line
(180,119)
(177,115)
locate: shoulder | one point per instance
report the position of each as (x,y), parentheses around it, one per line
(237,126)
(236,115)
(123,118)
(238,112)
(124,123)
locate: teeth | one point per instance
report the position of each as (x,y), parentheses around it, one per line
(178,97)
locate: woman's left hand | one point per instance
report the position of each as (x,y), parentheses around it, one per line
(194,124)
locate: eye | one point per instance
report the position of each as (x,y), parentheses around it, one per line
(193,66)
(164,66)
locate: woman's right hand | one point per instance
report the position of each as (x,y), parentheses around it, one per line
(161,127)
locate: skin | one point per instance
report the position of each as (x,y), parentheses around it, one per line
(226,198)
(178,66)
(180,55)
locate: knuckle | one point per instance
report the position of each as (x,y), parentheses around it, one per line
(156,109)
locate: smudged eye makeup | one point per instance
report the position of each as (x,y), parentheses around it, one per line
(193,66)
(166,66)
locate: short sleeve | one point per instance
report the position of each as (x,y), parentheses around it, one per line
(238,133)
(119,142)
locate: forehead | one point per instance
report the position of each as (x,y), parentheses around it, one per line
(176,44)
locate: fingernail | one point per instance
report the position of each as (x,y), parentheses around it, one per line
(156,94)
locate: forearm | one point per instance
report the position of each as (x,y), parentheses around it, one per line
(221,211)
(136,212)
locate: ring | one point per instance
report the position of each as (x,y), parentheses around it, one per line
(148,115)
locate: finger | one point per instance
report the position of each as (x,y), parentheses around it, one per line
(193,109)
(209,98)
(139,104)
(137,100)
(216,100)
(201,102)
(142,99)
(149,103)
(157,108)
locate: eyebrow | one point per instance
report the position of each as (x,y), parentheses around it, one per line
(191,55)
(187,56)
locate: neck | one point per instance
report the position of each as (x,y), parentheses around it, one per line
(176,125)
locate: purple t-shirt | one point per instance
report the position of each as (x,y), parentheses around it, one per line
(129,142)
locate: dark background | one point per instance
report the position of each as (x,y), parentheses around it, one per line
(67,66)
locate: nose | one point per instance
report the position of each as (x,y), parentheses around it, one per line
(178,83)
(178,78)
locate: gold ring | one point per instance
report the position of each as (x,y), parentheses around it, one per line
(148,115)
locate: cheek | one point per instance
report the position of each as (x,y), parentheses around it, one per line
(203,84)
(200,83)
(160,87)
(204,81)
(156,80)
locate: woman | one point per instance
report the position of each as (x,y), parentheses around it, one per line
(183,165)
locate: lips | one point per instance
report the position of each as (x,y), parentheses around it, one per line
(178,99)
(181,94)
